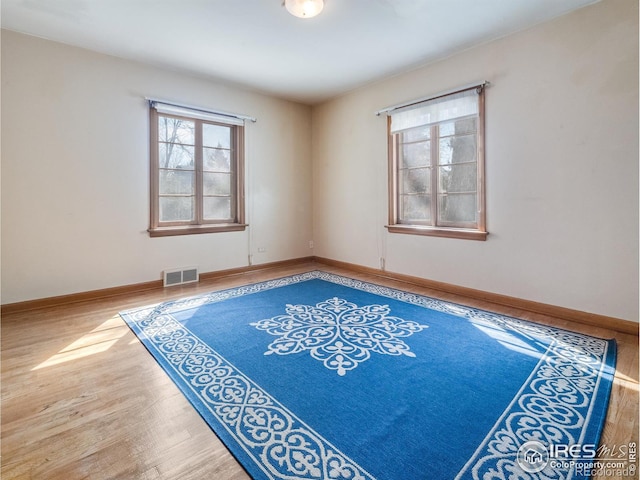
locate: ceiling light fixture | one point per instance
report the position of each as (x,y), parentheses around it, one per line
(304,8)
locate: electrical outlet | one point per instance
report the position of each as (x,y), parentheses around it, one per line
(310,243)
(262,250)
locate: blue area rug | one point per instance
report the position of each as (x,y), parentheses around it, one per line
(318,376)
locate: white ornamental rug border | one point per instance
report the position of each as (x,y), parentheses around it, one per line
(564,349)
(528,418)
(496,457)
(244,412)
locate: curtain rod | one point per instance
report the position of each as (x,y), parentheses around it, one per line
(482,84)
(153,101)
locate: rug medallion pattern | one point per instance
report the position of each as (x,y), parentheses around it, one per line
(339,333)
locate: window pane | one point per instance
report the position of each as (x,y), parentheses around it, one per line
(466,125)
(416,134)
(217,160)
(415,208)
(459,208)
(415,180)
(415,154)
(461,148)
(447,129)
(176,182)
(176,209)
(216,183)
(175,155)
(216,136)
(458,178)
(217,208)
(174,130)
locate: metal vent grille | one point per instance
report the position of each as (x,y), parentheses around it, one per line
(180,276)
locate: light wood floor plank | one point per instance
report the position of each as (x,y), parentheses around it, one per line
(82,398)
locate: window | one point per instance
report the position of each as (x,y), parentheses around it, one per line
(196,172)
(436,166)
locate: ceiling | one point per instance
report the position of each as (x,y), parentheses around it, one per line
(258,44)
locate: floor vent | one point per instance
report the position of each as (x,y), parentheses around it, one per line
(180,276)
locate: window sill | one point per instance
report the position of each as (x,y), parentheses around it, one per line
(196,229)
(461,233)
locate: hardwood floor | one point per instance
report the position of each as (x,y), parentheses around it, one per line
(82,398)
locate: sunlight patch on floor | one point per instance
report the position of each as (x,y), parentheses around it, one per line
(99,340)
(626,382)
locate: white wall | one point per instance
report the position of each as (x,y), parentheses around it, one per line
(75,173)
(561,160)
(562,170)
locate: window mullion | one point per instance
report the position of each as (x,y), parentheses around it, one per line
(154,171)
(394,175)
(199,175)
(238,169)
(435,172)
(233,153)
(480,188)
